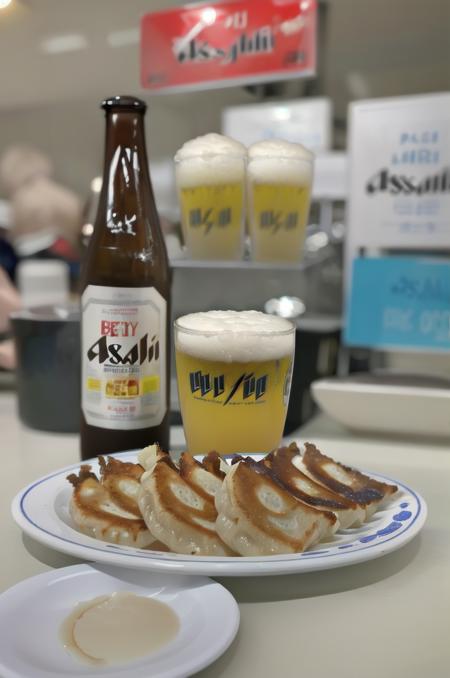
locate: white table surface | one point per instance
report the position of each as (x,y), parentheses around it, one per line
(389,617)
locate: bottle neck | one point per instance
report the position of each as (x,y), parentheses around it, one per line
(126,181)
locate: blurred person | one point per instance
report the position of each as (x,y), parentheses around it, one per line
(8,256)
(9,302)
(7,355)
(45,216)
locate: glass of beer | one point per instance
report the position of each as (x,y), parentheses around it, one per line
(210,174)
(234,375)
(279,177)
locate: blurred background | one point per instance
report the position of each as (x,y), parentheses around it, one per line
(60,59)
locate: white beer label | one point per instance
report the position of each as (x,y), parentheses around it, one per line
(123,344)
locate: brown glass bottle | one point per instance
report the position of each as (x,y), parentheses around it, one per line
(125,287)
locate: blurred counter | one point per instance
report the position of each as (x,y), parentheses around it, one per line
(385,617)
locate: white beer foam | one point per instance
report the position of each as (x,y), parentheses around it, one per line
(281,162)
(209,144)
(235,336)
(210,159)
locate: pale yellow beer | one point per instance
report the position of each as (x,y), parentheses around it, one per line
(210,174)
(234,375)
(212,220)
(279,193)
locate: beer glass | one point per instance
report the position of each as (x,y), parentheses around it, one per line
(279,192)
(211,193)
(234,376)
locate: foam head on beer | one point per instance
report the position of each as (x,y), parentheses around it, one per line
(235,336)
(278,161)
(210,159)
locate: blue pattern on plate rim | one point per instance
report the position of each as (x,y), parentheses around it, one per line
(402,520)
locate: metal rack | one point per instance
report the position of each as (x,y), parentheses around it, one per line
(239,285)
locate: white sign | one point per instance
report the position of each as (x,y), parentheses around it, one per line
(307,122)
(400,173)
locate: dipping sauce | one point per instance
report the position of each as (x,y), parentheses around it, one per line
(118,628)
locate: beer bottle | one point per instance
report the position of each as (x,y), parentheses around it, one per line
(125,304)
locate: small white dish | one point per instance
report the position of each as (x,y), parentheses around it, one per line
(31,614)
(42,511)
(387,403)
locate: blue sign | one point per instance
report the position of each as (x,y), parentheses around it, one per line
(401,302)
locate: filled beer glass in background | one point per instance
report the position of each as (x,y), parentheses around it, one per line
(210,175)
(234,376)
(279,178)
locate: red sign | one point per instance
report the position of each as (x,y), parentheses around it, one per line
(227,43)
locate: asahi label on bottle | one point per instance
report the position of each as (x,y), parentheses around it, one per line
(123,357)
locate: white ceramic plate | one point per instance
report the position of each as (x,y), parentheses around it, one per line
(41,510)
(387,403)
(31,614)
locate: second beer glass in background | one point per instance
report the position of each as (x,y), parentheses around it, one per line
(234,376)
(210,174)
(279,178)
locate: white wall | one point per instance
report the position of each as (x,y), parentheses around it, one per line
(72,132)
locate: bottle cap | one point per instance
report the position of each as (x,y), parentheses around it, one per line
(124,103)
